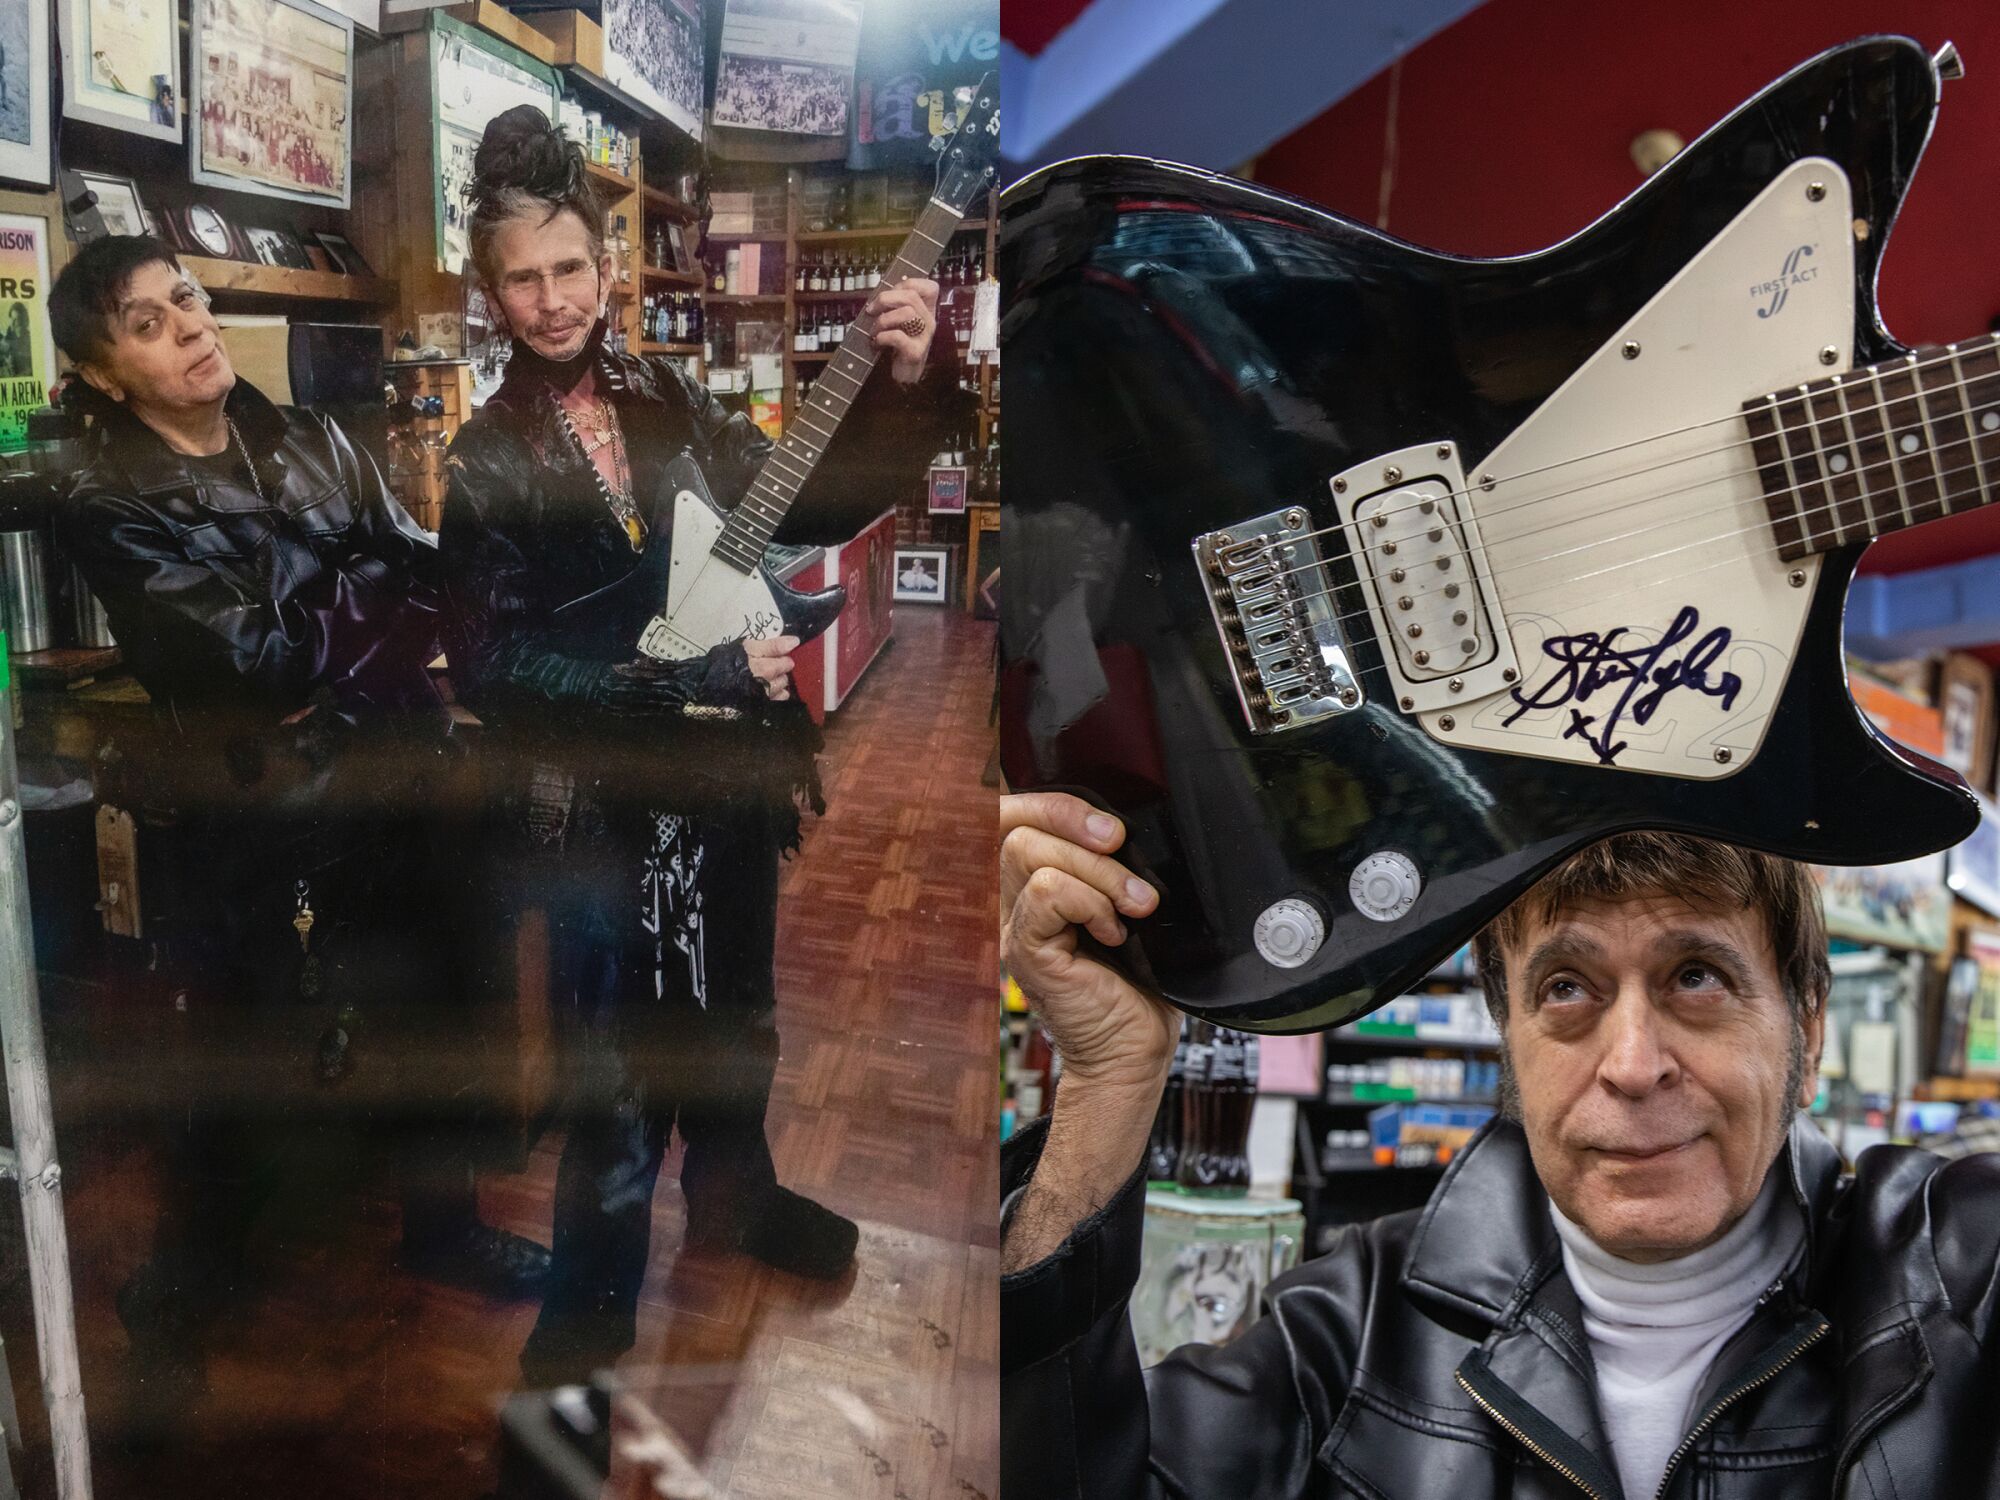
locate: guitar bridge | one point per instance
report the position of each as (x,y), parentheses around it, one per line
(1273,606)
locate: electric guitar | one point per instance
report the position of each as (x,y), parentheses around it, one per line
(716,587)
(1365,582)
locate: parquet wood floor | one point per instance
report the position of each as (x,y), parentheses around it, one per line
(345,1376)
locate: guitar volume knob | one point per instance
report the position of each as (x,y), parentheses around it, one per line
(1385,885)
(1289,932)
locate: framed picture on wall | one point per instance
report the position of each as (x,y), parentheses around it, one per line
(948,489)
(922,575)
(273,99)
(346,259)
(117,202)
(122,64)
(24,92)
(27,356)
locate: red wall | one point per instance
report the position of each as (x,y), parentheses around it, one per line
(1032,24)
(1515,125)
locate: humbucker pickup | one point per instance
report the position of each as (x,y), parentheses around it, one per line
(1419,560)
(1273,606)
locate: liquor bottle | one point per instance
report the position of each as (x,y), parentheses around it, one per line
(1222,1164)
(1194,1102)
(817,281)
(1163,1151)
(799,277)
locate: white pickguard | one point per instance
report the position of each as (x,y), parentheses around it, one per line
(708,602)
(1631,494)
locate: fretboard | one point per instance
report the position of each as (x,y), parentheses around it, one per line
(1860,454)
(757,516)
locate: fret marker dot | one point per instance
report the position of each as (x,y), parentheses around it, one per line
(1838,463)
(1908,442)
(1990,421)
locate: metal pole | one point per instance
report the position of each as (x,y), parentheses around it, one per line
(40,1176)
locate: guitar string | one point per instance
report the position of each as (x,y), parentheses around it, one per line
(1362,546)
(1706,541)
(1778,403)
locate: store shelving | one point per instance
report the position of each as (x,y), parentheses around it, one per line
(245,279)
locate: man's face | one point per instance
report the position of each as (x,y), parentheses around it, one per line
(164,354)
(1651,1041)
(549,286)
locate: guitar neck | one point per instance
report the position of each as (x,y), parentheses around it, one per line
(764,505)
(1855,456)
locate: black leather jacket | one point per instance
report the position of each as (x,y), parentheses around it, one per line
(221,599)
(526,531)
(1441,1353)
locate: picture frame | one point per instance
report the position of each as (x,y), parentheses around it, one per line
(265,245)
(122,65)
(346,259)
(27,350)
(294,250)
(921,575)
(235,140)
(948,489)
(25,156)
(118,202)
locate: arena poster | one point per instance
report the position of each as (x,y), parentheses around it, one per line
(122,65)
(916,66)
(27,359)
(1982,1029)
(24,91)
(787,65)
(473,78)
(273,98)
(653,51)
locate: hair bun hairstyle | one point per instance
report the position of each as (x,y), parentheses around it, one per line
(522,151)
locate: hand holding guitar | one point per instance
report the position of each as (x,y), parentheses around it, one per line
(771,664)
(1116,1043)
(905,318)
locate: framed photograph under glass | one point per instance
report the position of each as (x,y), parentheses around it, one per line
(122,64)
(921,575)
(273,99)
(346,259)
(24,92)
(117,202)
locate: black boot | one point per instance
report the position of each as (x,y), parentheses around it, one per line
(785,1230)
(480,1258)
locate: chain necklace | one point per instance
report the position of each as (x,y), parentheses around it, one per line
(605,429)
(248,462)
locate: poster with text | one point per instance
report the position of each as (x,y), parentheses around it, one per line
(915,64)
(24,91)
(1982,1026)
(787,65)
(273,99)
(1905,905)
(474,78)
(122,65)
(653,51)
(27,358)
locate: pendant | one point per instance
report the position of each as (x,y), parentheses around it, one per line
(635,531)
(303,925)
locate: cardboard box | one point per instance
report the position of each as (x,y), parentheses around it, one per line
(578,39)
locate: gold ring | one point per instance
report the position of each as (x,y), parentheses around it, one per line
(913,326)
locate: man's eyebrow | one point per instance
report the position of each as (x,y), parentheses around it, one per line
(1689,942)
(1558,949)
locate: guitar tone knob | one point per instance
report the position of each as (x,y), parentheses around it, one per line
(1384,886)
(1289,933)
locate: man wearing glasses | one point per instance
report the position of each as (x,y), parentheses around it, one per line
(656,797)
(279,608)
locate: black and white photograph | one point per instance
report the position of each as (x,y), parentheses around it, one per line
(24,91)
(653,51)
(273,99)
(122,65)
(269,247)
(921,573)
(787,65)
(117,202)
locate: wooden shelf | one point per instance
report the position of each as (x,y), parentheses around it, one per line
(676,278)
(242,278)
(618,180)
(645,348)
(743,299)
(744,239)
(678,208)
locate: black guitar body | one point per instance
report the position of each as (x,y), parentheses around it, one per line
(1183,351)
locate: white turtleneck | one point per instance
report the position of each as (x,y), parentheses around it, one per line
(1654,1329)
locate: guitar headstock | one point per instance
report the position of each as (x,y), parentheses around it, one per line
(967,157)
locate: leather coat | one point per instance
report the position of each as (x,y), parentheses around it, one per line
(1441,1353)
(321,589)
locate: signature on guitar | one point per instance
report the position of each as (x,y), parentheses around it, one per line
(1592,661)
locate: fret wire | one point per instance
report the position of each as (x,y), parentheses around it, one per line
(1830,477)
(1939,423)
(1808,464)
(1793,488)
(1889,442)
(1931,451)
(1965,414)
(1861,483)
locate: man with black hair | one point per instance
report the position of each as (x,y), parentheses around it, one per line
(660,794)
(279,607)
